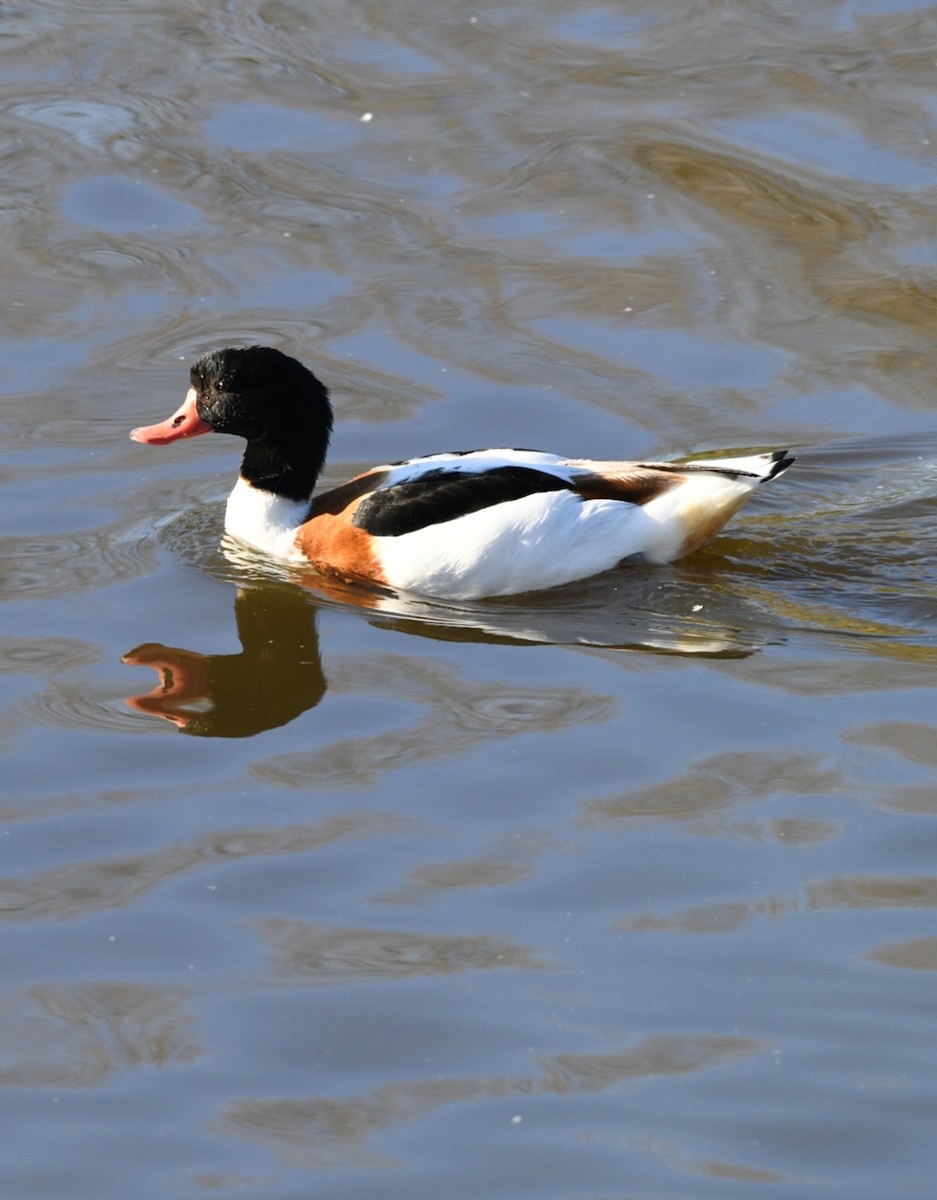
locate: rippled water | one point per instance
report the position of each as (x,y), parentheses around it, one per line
(624,890)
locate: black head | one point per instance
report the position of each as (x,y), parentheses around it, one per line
(277,404)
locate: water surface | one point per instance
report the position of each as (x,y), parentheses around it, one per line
(626,890)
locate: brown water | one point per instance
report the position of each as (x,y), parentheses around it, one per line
(624,891)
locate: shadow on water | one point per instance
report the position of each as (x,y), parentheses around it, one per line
(849,555)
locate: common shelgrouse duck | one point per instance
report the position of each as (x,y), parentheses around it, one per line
(460,526)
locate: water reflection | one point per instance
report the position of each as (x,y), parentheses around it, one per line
(276,676)
(279,674)
(913,954)
(305,952)
(717,784)
(66,1036)
(321,1132)
(454,714)
(854,892)
(77,888)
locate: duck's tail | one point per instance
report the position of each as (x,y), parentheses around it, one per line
(757,467)
(711,491)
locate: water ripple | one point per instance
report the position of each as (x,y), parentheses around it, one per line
(83,706)
(61,564)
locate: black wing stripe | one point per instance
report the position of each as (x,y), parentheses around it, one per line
(442,495)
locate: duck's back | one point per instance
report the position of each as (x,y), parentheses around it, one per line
(498,522)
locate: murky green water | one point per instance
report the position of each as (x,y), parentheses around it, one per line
(626,890)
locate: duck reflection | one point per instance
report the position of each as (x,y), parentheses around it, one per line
(277,675)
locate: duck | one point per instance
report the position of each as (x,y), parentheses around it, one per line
(460,525)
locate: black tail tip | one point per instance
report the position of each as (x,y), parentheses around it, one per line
(780,461)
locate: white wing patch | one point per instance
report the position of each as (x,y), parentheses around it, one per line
(476,462)
(539,541)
